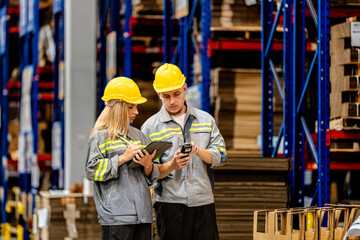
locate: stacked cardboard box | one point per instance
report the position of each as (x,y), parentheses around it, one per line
(229,13)
(78,219)
(245,184)
(151,106)
(344,76)
(237,97)
(147,7)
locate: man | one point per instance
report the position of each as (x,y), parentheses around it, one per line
(184,205)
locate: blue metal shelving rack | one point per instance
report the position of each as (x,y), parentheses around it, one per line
(58,132)
(28,169)
(184,52)
(4,77)
(294,128)
(124,38)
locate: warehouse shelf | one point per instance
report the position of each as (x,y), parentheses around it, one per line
(251,45)
(336,166)
(339,12)
(14,30)
(340,159)
(44,164)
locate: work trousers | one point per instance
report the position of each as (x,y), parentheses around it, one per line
(180,222)
(127,232)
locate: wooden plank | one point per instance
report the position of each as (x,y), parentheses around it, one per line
(345,123)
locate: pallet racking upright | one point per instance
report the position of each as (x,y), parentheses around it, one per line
(111,41)
(187,44)
(296,85)
(28,168)
(4,76)
(58,128)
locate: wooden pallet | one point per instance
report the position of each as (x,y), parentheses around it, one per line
(345,123)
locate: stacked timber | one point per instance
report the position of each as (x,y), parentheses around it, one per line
(68,216)
(246,184)
(230,13)
(237,97)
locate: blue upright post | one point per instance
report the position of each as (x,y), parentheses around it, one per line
(103,7)
(323,102)
(127,38)
(115,26)
(28,132)
(298,74)
(185,49)
(58,156)
(4,77)
(205,58)
(267,113)
(288,78)
(124,34)
(167,31)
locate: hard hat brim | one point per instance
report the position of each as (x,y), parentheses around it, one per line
(138,101)
(169,88)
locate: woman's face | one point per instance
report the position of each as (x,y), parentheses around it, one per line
(133,111)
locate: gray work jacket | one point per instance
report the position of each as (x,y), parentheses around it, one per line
(193,184)
(121,194)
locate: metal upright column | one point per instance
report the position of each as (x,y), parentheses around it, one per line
(167,31)
(58,133)
(205,58)
(323,102)
(28,131)
(122,35)
(267,113)
(101,75)
(298,85)
(4,77)
(127,38)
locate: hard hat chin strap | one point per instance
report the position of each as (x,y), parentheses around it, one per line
(111,102)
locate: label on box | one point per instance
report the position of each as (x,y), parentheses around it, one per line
(250,2)
(355,34)
(181,8)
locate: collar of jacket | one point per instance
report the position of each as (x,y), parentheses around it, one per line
(166,117)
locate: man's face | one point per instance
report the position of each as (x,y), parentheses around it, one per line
(174,101)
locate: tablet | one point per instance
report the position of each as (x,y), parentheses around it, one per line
(160,146)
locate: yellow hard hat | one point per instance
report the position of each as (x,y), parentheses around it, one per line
(168,77)
(123,88)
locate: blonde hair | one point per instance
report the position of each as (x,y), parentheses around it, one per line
(115,119)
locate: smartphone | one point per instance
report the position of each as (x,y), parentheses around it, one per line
(186,148)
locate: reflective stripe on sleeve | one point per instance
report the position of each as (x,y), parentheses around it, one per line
(221,149)
(99,169)
(104,170)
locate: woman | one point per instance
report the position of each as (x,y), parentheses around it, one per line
(121,193)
